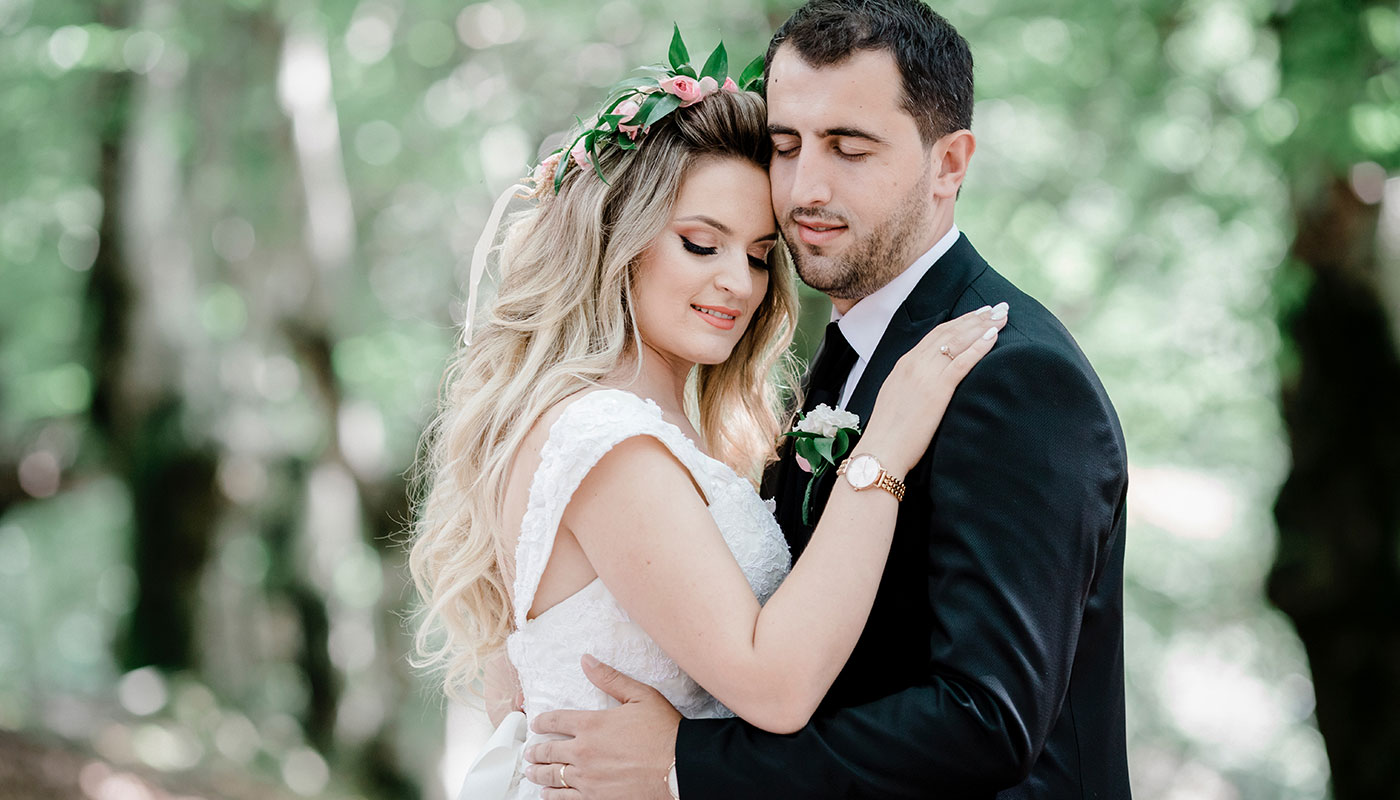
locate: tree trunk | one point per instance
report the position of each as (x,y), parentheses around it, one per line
(137,412)
(1337,572)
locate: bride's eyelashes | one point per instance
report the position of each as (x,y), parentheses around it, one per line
(754,261)
(697,249)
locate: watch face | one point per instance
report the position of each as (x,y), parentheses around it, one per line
(863,471)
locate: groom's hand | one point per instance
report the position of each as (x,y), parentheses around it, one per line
(623,753)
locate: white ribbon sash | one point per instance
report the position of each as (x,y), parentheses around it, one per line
(490,775)
(482,252)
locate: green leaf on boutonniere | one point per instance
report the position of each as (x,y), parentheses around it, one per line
(823,446)
(753,72)
(717,65)
(679,55)
(843,442)
(807,448)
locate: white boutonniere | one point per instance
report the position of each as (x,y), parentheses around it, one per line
(823,436)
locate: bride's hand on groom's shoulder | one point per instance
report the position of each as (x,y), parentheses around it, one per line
(622,753)
(914,396)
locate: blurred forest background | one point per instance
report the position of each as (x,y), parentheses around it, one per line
(232,238)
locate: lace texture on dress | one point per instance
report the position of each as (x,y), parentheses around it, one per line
(547,649)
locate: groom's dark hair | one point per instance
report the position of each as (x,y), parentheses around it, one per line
(934,60)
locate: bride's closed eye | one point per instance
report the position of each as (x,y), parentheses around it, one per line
(754,261)
(697,249)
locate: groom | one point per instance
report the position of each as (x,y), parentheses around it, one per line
(992,663)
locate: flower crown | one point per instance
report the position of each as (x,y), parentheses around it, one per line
(636,104)
(633,106)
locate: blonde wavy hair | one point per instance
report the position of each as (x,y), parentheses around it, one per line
(561,321)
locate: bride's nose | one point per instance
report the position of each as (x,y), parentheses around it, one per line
(735,276)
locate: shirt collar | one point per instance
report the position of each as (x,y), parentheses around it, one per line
(864,325)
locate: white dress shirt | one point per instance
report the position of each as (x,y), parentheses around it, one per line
(864,325)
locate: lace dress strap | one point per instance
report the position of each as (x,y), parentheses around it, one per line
(589,427)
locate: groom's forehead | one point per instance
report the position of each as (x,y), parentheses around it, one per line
(812,98)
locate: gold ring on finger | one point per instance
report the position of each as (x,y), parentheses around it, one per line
(946,350)
(563,767)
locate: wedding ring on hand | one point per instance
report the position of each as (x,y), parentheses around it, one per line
(565,783)
(946,350)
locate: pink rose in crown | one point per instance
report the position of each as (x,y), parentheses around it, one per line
(689,90)
(730,85)
(543,177)
(580,155)
(544,173)
(628,109)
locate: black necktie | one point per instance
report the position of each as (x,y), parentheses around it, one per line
(830,369)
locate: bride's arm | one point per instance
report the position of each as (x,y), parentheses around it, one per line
(651,539)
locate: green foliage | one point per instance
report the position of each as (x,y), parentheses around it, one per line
(679,55)
(717,65)
(1341,120)
(1132,172)
(752,76)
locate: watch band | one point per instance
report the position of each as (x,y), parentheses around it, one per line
(891,484)
(885,481)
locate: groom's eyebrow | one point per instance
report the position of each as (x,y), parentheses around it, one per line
(852,133)
(845,133)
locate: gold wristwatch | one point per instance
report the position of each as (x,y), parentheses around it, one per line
(864,471)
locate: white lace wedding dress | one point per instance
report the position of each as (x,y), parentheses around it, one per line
(547,649)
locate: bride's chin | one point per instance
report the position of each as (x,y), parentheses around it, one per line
(712,357)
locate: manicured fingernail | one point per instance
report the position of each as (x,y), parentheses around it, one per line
(999,311)
(589,661)
(530,754)
(983,310)
(990,334)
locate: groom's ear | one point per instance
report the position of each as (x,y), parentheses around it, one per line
(952,154)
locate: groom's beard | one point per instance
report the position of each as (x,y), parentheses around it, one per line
(867,264)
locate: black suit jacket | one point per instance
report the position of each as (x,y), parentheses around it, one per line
(992,663)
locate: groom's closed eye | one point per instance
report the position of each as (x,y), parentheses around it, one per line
(785,145)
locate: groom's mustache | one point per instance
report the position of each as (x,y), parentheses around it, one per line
(821,216)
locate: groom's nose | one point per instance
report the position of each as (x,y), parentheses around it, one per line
(811,179)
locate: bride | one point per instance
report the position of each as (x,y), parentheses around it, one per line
(591,472)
